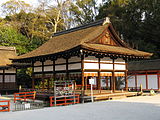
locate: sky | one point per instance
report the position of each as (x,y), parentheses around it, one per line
(31,2)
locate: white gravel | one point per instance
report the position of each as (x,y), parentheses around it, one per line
(134,108)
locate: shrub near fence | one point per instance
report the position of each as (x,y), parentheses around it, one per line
(5,106)
(24,96)
(64,100)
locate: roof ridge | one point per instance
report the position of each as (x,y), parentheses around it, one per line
(92,24)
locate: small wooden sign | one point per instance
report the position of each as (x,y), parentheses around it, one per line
(91,81)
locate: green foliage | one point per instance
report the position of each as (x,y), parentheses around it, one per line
(10,37)
(83,11)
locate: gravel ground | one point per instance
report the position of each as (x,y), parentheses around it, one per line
(133,108)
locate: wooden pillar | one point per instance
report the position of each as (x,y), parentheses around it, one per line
(110,78)
(126,80)
(113,78)
(82,75)
(158,76)
(82,71)
(67,73)
(16,79)
(99,75)
(33,77)
(85,86)
(147,80)
(3,79)
(54,72)
(136,82)
(43,81)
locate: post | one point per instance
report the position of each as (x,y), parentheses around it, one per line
(91,82)
(55,94)
(3,79)
(126,80)
(113,77)
(146,81)
(82,74)
(99,76)
(33,75)
(43,74)
(92,93)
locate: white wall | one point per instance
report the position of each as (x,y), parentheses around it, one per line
(152,82)
(74,59)
(48,62)
(91,66)
(60,67)
(74,66)
(120,67)
(10,71)
(37,63)
(141,79)
(48,68)
(106,66)
(131,81)
(9,78)
(38,69)
(106,59)
(60,60)
(91,59)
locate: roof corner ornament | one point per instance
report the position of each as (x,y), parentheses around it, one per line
(106,21)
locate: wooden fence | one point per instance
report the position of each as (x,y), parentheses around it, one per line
(64,100)
(24,96)
(5,106)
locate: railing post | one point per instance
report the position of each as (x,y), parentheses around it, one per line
(51,101)
(14,97)
(8,106)
(65,101)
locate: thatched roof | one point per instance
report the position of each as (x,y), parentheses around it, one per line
(144,65)
(84,36)
(6,53)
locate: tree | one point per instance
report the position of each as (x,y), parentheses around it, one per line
(83,11)
(136,21)
(13,7)
(10,37)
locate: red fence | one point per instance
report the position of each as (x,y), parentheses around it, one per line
(6,106)
(24,96)
(64,100)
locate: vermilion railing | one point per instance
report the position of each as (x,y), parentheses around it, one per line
(64,100)
(6,106)
(24,96)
